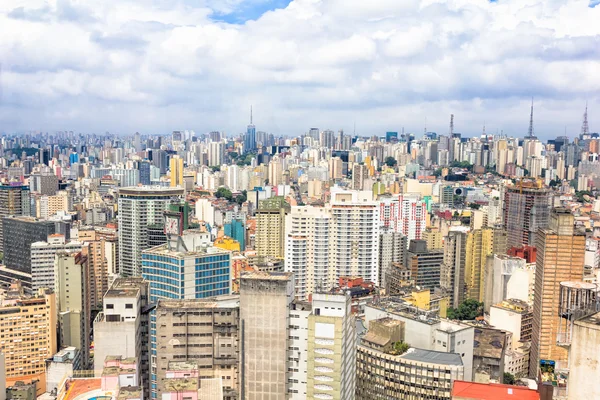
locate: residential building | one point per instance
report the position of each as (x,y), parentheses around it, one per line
(359,174)
(433,237)
(121,328)
(506,278)
(27,346)
(584,358)
(139,207)
(43,272)
(176,171)
(73,302)
(14,201)
(425,264)
(479,246)
(392,249)
(560,258)
(513,316)
(527,207)
(489,353)
(412,217)
(270,226)
(96,249)
(331,348)
(452,273)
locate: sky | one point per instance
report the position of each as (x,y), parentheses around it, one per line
(155,66)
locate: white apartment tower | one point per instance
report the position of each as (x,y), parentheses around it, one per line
(43,270)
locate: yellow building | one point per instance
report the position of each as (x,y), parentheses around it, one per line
(227,243)
(424,300)
(433,237)
(480,244)
(176,167)
(28,334)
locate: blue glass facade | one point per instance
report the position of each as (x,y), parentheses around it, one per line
(167,276)
(250,139)
(237,231)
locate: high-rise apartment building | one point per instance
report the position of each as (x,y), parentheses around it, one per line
(425,264)
(138,208)
(73,302)
(359,174)
(331,348)
(526,209)
(216,154)
(560,258)
(97,251)
(480,244)
(121,328)
(265,302)
(43,269)
(23,231)
(270,227)
(307,250)
(28,329)
(353,235)
(452,275)
(412,216)
(199,331)
(392,249)
(176,168)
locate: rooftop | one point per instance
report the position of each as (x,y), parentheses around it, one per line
(434,357)
(271,276)
(481,391)
(213,302)
(489,342)
(591,321)
(182,366)
(180,384)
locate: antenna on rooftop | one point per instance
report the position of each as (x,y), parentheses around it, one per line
(451,124)
(585,128)
(530,132)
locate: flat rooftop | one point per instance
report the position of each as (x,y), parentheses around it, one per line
(397,306)
(179,384)
(226,301)
(270,276)
(591,321)
(434,357)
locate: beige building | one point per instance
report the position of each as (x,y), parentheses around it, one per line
(201,331)
(73,302)
(583,359)
(335,168)
(270,227)
(47,206)
(433,237)
(28,334)
(480,244)
(560,258)
(176,171)
(96,248)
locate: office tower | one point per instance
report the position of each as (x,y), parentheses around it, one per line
(43,269)
(95,248)
(336,168)
(412,215)
(14,200)
(354,230)
(121,328)
(526,209)
(236,230)
(138,208)
(331,348)
(250,137)
(392,249)
(202,332)
(452,276)
(359,174)
(176,168)
(45,156)
(327,139)
(270,226)
(144,171)
(425,264)
(307,250)
(44,182)
(479,247)
(23,231)
(216,154)
(383,372)
(186,267)
(265,301)
(560,258)
(28,327)
(73,302)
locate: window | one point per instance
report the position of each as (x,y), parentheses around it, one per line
(110,306)
(129,305)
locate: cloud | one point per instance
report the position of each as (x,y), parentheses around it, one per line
(132,65)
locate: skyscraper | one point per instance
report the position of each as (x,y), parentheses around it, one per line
(250,137)
(480,244)
(43,269)
(560,258)
(23,231)
(138,208)
(452,276)
(425,264)
(526,209)
(270,227)
(14,200)
(176,170)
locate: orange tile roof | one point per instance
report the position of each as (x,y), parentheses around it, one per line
(80,386)
(493,391)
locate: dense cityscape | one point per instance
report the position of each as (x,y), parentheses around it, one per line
(323,266)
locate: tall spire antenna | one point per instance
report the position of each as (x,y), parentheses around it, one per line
(585,128)
(451,125)
(483,128)
(530,133)
(251,120)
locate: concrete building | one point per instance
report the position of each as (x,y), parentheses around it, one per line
(176,171)
(384,373)
(425,264)
(265,301)
(121,328)
(392,249)
(452,273)
(527,208)
(584,359)
(433,236)
(506,278)
(479,245)
(43,269)
(270,227)
(61,365)
(359,174)
(513,316)
(560,258)
(44,182)
(97,249)
(138,208)
(48,206)
(354,233)
(489,353)
(199,331)
(331,348)
(73,302)
(412,216)
(23,231)
(307,250)
(24,361)
(298,350)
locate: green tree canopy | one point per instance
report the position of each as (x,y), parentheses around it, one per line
(508,379)
(390,161)
(224,192)
(466,311)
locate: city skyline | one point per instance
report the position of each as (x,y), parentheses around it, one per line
(126,67)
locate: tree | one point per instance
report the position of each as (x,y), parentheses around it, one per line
(475,206)
(390,161)
(224,192)
(508,379)
(437,172)
(399,348)
(241,198)
(215,168)
(468,310)
(462,164)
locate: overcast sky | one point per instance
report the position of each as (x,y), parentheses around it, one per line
(155,66)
